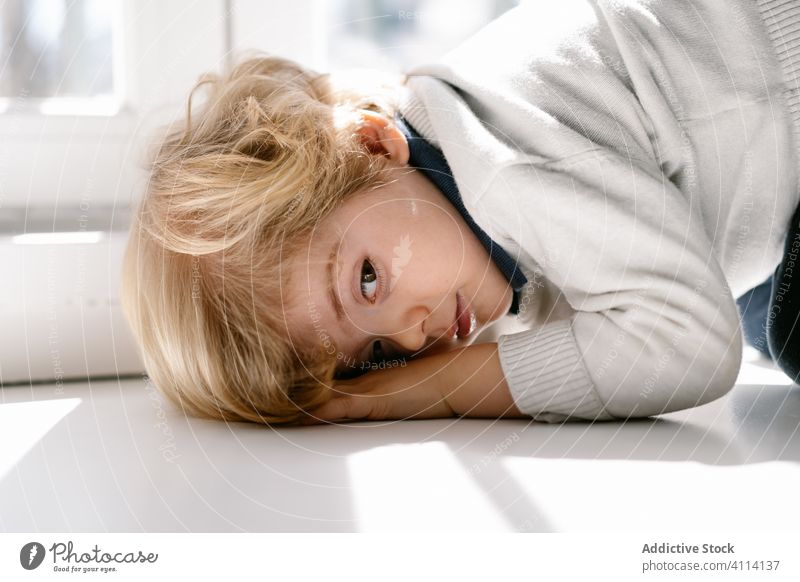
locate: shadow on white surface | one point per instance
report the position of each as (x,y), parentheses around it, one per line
(122,459)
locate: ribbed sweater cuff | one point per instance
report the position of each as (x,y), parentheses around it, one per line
(782,20)
(546,375)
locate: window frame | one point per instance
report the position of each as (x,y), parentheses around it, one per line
(64,159)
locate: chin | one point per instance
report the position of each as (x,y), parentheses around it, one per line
(498,313)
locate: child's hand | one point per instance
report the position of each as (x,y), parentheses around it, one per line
(396,393)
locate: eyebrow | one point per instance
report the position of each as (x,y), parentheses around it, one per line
(334,299)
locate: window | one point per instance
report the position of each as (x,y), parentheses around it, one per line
(58,56)
(83,83)
(397,34)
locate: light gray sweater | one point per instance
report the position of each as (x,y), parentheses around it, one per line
(639,159)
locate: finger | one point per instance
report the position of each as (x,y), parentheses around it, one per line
(321,414)
(339,409)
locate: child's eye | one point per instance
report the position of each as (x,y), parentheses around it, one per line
(369,281)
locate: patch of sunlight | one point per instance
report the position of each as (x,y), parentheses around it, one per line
(419,486)
(600,495)
(760,370)
(23,424)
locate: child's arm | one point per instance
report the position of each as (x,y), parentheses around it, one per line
(467,381)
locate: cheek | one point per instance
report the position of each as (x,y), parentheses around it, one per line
(451,234)
(431,247)
(452,248)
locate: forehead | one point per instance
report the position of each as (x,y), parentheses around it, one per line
(308,278)
(307,308)
(312,322)
(358,218)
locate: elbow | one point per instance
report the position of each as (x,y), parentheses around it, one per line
(709,364)
(700,367)
(723,363)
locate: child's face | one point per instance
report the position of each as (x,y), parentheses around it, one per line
(402,253)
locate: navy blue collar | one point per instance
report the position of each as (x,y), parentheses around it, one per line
(430,161)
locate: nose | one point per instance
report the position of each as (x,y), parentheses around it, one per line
(411,335)
(419,341)
(409,330)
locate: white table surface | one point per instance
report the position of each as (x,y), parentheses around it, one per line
(114,456)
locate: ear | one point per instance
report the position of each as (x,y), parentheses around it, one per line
(382,137)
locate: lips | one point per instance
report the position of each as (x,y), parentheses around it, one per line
(451,333)
(463,317)
(462,323)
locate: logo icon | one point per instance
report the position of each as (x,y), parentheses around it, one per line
(402,255)
(31,555)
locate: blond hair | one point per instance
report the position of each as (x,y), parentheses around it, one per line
(234,190)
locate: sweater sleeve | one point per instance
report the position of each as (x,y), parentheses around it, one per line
(655,328)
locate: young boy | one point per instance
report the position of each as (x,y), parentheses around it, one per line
(609,176)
